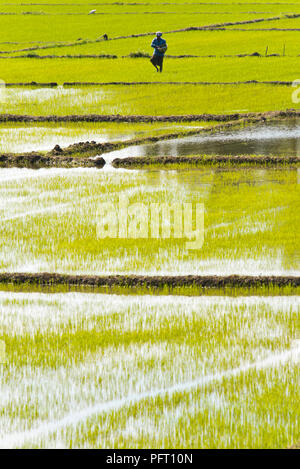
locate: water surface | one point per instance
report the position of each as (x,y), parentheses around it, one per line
(270,138)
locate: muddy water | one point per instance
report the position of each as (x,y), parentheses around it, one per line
(272,138)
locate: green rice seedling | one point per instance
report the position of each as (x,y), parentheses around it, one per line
(127,100)
(201,69)
(70,28)
(217,43)
(250,221)
(87,370)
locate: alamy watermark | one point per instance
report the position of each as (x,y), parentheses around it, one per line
(3,97)
(2,352)
(296,92)
(155,220)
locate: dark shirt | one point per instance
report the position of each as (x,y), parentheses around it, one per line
(158,42)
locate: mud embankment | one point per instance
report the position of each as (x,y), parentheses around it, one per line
(134,55)
(150,119)
(139,284)
(263,29)
(232,281)
(76,155)
(195,83)
(73,84)
(120,118)
(215,160)
(37,161)
(33,84)
(79,56)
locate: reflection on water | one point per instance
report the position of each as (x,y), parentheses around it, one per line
(251,221)
(271,138)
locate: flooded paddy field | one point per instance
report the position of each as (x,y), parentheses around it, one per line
(243,222)
(149,367)
(104,371)
(21,137)
(278,137)
(160,360)
(207,140)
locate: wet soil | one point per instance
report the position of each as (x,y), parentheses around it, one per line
(135,83)
(216,160)
(149,281)
(37,161)
(148,118)
(131,83)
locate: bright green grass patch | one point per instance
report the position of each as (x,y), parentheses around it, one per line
(147,99)
(246,6)
(200,43)
(251,221)
(135,70)
(147,7)
(125,371)
(70,28)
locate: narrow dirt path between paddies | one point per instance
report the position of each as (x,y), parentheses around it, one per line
(100,13)
(192,28)
(174,162)
(198,283)
(132,56)
(262,29)
(79,56)
(37,161)
(148,119)
(35,84)
(46,278)
(130,83)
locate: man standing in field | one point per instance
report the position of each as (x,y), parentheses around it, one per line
(160,46)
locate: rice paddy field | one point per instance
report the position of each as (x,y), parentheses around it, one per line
(19,137)
(53,216)
(105,370)
(175,99)
(126,365)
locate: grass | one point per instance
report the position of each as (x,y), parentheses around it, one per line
(251,222)
(211,358)
(201,43)
(39,31)
(149,6)
(135,70)
(70,28)
(170,100)
(148,99)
